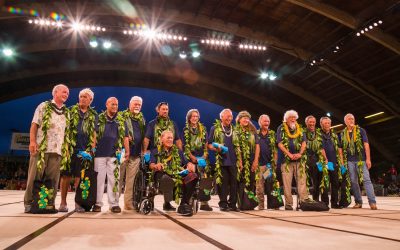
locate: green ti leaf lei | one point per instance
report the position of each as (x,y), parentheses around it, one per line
(160,126)
(219,137)
(48,109)
(353,147)
(44,195)
(171,162)
(335,140)
(88,127)
(314,143)
(297,144)
(196,141)
(120,140)
(136,117)
(247,146)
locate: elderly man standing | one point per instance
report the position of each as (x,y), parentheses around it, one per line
(112,136)
(158,125)
(223,141)
(46,145)
(356,153)
(292,142)
(136,128)
(82,137)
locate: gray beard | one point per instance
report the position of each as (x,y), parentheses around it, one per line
(292,126)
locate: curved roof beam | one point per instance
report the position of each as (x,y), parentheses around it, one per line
(203,21)
(346,19)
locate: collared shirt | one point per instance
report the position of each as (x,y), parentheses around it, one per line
(150,133)
(82,139)
(265,149)
(136,147)
(292,148)
(329,147)
(228,159)
(364,139)
(56,131)
(106,146)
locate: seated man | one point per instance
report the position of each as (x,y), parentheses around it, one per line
(167,161)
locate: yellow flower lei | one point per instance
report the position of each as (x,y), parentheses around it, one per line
(294,136)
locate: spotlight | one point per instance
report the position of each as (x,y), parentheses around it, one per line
(358,34)
(370,27)
(362,31)
(30,21)
(337,47)
(182,55)
(366,29)
(263,75)
(375,24)
(380,22)
(328,114)
(272,77)
(94,44)
(76,26)
(107,44)
(195,54)
(8,52)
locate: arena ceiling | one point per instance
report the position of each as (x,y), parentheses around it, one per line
(313,48)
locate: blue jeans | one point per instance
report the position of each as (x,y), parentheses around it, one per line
(355,186)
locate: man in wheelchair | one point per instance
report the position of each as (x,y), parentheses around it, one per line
(173,175)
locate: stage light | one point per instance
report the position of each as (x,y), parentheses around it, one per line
(264,75)
(366,29)
(107,44)
(76,26)
(195,54)
(370,27)
(94,44)
(373,115)
(362,31)
(182,55)
(337,47)
(30,21)
(7,52)
(358,34)
(375,24)
(328,114)
(272,77)
(380,22)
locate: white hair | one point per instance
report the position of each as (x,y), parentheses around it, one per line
(262,116)
(308,118)
(190,112)
(290,113)
(223,111)
(136,98)
(88,92)
(324,118)
(347,115)
(53,92)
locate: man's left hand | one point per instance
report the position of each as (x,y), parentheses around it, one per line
(369,164)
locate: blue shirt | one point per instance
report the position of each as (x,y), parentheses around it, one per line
(265,149)
(228,159)
(196,152)
(136,146)
(329,147)
(150,133)
(82,139)
(106,146)
(292,148)
(364,139)
(154,155)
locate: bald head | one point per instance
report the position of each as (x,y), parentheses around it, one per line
(112,106)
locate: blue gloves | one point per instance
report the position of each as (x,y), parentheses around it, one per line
(201,163)
(331,167)
(183,173)
(84,155)
(120,156)
(223,148)
(146,157)
(319,166)
(343,169)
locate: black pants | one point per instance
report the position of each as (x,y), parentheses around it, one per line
(334,185)
(343,197)
(166,185)
(228,186)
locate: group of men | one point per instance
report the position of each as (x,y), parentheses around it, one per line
(114,142)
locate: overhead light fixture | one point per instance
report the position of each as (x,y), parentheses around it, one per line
(328,114)
(272,77)
(93,44)
(107,44)
(373,115)
(195,54)
(182,55)
(264,75)
(338,125)
(7,52)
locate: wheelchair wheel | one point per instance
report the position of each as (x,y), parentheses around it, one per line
(146,206)
(195,205)
(138,188)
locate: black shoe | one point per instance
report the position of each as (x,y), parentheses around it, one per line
(206,207)
(335,206)
(185,209)
(224,208)
(116,209)
(168,207)
(96,209)
(288,207)
(234,209)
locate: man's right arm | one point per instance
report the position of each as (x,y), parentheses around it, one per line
(33,147)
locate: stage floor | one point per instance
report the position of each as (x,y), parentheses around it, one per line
(336,229)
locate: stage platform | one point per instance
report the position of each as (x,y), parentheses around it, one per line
(267,229)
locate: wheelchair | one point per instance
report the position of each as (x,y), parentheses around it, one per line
(144,191)
(204,183)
